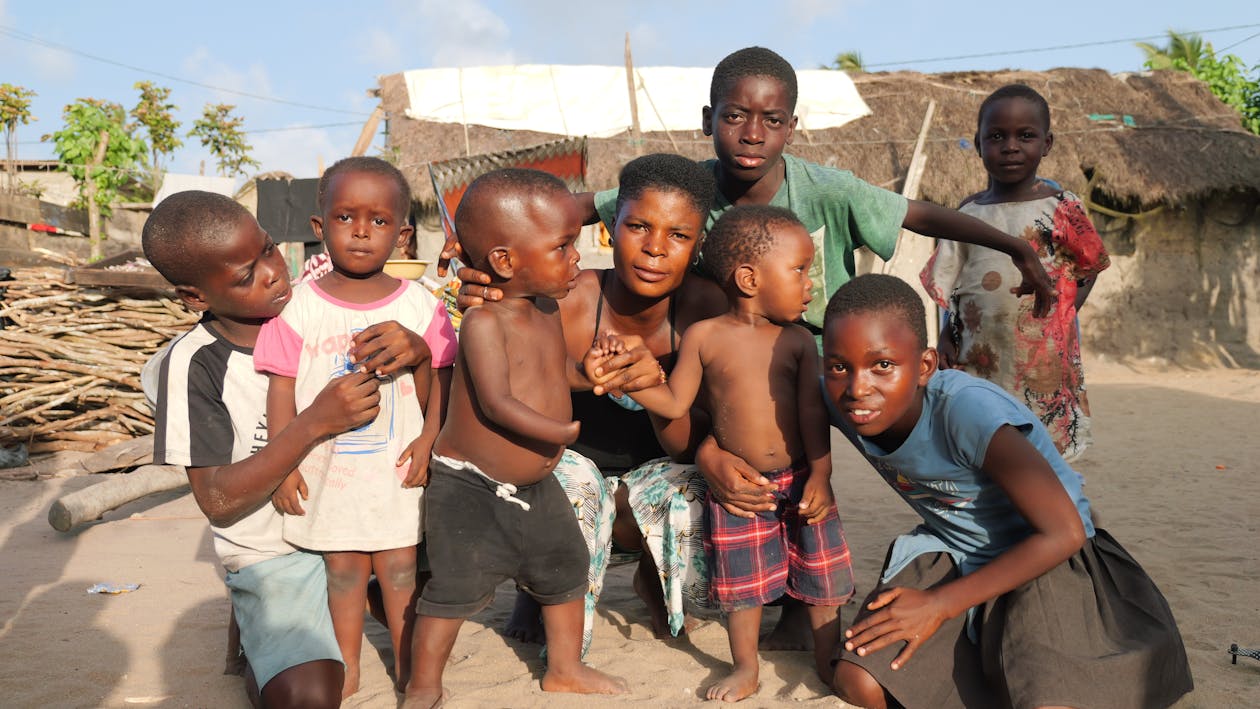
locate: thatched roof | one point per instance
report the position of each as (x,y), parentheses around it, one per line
(1183,145)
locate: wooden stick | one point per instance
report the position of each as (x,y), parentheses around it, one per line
(635,134)
(91,502)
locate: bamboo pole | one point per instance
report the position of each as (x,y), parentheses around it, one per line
(636,135)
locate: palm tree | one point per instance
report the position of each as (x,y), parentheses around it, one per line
(847,61)
(1189,48)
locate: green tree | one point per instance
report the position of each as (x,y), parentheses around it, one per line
(220,132)
(155,113)
(850,61)
(1189,48)
(1226,76)
(100,152)
(15,110)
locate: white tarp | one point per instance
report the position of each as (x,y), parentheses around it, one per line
(173,182)
(593,100)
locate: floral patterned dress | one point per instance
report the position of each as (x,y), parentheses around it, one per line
(1036,359)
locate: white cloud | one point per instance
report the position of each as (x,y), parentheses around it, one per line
(451,34)
(51,64)
(206,69)
(297,152)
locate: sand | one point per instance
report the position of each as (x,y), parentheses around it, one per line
(1173,474)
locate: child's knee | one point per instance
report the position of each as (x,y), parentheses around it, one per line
(347,573)
(311,684)
(396,568)
(857,687)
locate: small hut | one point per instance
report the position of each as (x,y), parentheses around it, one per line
(1172,181)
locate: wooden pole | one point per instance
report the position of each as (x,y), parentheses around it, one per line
(912,253)
(89,192)
(635,134)
(90,503)
(369,130)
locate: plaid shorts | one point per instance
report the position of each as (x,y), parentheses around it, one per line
(755,561)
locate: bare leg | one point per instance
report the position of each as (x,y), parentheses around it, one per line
(430,649)
(856,686)
(313,684)
(348,573)
(565,671)
(793,631)
(742,627)
(235,664)
(825,621)
(395,571)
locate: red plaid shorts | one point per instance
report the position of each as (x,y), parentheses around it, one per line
(755,561)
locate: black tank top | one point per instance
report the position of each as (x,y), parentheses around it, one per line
(613,437)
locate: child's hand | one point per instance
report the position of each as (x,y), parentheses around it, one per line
(345,403)
(816,500)
(903,614)
(630,369)
(385,348)
(286,497)
(418,453)
(1035,281)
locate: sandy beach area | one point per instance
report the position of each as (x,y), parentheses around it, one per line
(1174,473)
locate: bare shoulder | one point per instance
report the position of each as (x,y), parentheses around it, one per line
(699,299)
(479,322)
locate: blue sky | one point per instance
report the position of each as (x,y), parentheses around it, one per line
(326,55)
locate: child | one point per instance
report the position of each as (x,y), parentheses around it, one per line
(211,418)
(991,333)
(760,377)
(1005,595)
(363,487)
(494,509)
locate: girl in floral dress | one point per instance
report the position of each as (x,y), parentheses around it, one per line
(990,332)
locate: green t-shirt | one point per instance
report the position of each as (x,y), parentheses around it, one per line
(840,212)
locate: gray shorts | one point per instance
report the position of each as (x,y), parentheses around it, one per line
(281,607)
(477,540)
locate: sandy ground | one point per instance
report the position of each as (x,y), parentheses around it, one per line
(1173,473)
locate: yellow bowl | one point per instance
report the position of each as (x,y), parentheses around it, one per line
(406,269)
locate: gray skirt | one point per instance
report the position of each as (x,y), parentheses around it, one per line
(1092,632)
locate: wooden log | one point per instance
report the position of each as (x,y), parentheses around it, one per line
(90,503)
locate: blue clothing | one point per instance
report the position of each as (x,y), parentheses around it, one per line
(281,606)
(937,471)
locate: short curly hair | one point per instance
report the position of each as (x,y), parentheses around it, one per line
(485,198)
(375,166)
(880,293)
(667,173)
(1023,91)
(742,235)
(182,227)
(752,61)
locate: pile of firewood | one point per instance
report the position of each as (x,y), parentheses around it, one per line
(70,360)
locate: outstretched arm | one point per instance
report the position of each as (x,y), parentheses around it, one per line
(227,493)
(484,350)
(932,220)
(672,399)
(912,615)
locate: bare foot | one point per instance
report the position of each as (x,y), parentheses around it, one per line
(793,631)
(427,698)
(525,623)
(583,680)
(740,683)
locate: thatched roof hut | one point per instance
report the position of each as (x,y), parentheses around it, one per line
(1172,179)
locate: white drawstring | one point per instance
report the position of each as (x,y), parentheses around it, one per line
(502,490)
